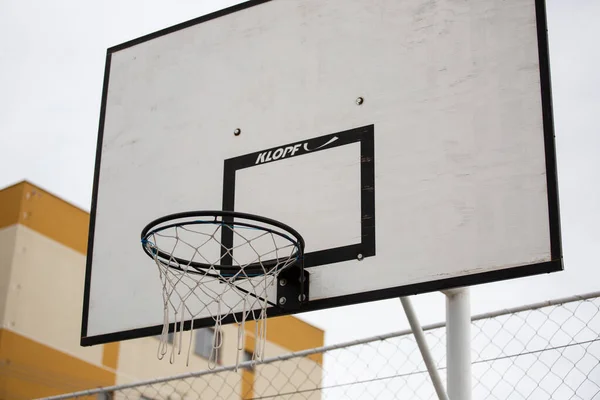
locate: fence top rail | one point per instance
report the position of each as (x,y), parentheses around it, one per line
(324,349)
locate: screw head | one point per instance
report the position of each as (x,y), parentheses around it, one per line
(282,282)
(301,298)
(282,301)
(359,101)
(360,257)
(237,131)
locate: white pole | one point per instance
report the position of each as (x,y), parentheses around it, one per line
(458,343)
(417,331)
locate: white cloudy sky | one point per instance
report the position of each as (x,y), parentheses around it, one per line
(51,71)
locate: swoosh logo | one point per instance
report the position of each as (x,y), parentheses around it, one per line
(333,139)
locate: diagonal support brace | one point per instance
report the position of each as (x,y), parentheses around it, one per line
(417,330)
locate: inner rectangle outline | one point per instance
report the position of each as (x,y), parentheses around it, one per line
(363,135)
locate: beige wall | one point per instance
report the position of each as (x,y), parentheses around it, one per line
(7,244)
(138,361)
(44,299)
(287,376)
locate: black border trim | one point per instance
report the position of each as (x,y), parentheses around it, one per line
(432,286)
(514,272)
(92,226)
(187,24)
(548,124)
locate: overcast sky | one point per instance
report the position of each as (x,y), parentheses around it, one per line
(51,72)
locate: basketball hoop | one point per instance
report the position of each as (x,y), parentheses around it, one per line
(221,264)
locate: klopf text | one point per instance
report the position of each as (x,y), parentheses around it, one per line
(289,151)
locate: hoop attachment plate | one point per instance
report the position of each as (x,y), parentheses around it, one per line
(292,288)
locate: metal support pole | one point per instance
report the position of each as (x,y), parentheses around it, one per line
(458,343)
(417,331)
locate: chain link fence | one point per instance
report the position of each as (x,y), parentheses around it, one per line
(548,350)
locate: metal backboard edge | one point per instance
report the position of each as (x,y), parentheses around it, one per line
(516,272)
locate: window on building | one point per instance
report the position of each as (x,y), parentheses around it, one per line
(170,337)
(247,356)
(203,347)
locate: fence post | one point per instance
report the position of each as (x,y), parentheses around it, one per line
(458,343)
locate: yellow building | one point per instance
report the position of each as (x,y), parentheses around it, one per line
(43,242)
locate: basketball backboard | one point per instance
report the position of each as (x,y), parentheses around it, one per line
(409,142)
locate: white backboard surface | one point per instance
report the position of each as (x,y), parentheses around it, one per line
(443,176)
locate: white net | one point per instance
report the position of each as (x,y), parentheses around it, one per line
(220,270)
